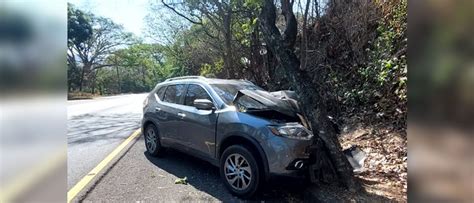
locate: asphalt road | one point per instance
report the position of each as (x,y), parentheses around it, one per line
(139,177)
(96,127)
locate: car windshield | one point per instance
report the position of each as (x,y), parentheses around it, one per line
(227,91)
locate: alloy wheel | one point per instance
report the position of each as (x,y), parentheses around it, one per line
(150,139)
(237,171)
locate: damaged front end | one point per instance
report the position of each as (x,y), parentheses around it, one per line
(282,109)
(279,107)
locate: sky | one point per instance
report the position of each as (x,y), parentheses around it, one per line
(129,13)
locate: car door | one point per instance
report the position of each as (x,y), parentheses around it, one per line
(166,113)
(199,126)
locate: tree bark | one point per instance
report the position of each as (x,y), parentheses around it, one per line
(304,38)
(228,42)
(119,85)
(314,109)
(86,69)
(93,80)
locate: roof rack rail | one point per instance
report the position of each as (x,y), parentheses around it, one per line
(185,77)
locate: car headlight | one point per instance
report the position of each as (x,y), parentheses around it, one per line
(294,131)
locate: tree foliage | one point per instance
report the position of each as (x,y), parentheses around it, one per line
(90,52)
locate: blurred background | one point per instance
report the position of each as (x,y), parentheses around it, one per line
(441,100)
(33,89)
(33,95)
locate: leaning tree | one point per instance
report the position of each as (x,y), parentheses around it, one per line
(331,162)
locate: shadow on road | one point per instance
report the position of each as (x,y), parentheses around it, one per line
(93,127)
(205,177)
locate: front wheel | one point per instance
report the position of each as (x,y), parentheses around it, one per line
(240,171)
(152,140)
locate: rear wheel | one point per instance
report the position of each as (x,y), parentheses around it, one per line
(240,171)
(152,140)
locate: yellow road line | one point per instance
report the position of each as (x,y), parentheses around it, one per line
(88,178)
(26,180)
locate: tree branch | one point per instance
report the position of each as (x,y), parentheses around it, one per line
(291,29)
(180,14)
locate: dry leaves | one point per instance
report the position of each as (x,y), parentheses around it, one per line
(386,163)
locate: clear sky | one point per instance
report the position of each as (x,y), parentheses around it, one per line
(129,13)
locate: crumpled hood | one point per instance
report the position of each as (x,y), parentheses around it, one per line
(280,101)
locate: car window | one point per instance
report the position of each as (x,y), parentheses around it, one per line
(195,92)
(173,93)
(161,93)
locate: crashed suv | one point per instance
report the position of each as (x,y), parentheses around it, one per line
(249,133)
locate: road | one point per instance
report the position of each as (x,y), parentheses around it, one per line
(96,127)
(139,177)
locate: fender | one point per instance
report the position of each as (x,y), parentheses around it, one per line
(255,144)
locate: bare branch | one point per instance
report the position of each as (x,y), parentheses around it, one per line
(180,14)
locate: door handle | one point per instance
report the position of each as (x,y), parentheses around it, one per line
(182,115)
(157,109)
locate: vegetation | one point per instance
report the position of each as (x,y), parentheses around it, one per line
(345,59)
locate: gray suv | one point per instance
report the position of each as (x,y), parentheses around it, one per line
(249,133)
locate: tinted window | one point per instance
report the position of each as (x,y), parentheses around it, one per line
(195,92)
(174,93)
(161,93)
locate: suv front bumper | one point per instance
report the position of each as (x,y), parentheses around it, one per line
(287,157)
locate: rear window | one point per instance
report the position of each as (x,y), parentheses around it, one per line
(174,93)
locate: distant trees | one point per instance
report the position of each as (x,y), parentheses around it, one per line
(79,31)
(136,68)
(221,26)
(214,19)
(91,39)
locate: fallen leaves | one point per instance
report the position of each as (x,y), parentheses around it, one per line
(386,163)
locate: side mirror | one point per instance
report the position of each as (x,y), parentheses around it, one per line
(203,104)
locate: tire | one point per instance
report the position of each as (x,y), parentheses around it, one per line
(244,179)
(152,140)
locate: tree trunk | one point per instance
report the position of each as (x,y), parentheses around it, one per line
(119,85)
(312,102)
(81,83)
(228,42)
(86,68)
(304,38)
(143,79)
(93,80)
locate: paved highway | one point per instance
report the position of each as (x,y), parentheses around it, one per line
(96,127)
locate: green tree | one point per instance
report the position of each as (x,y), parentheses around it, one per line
(106,38)
(79,31)
(137,68)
